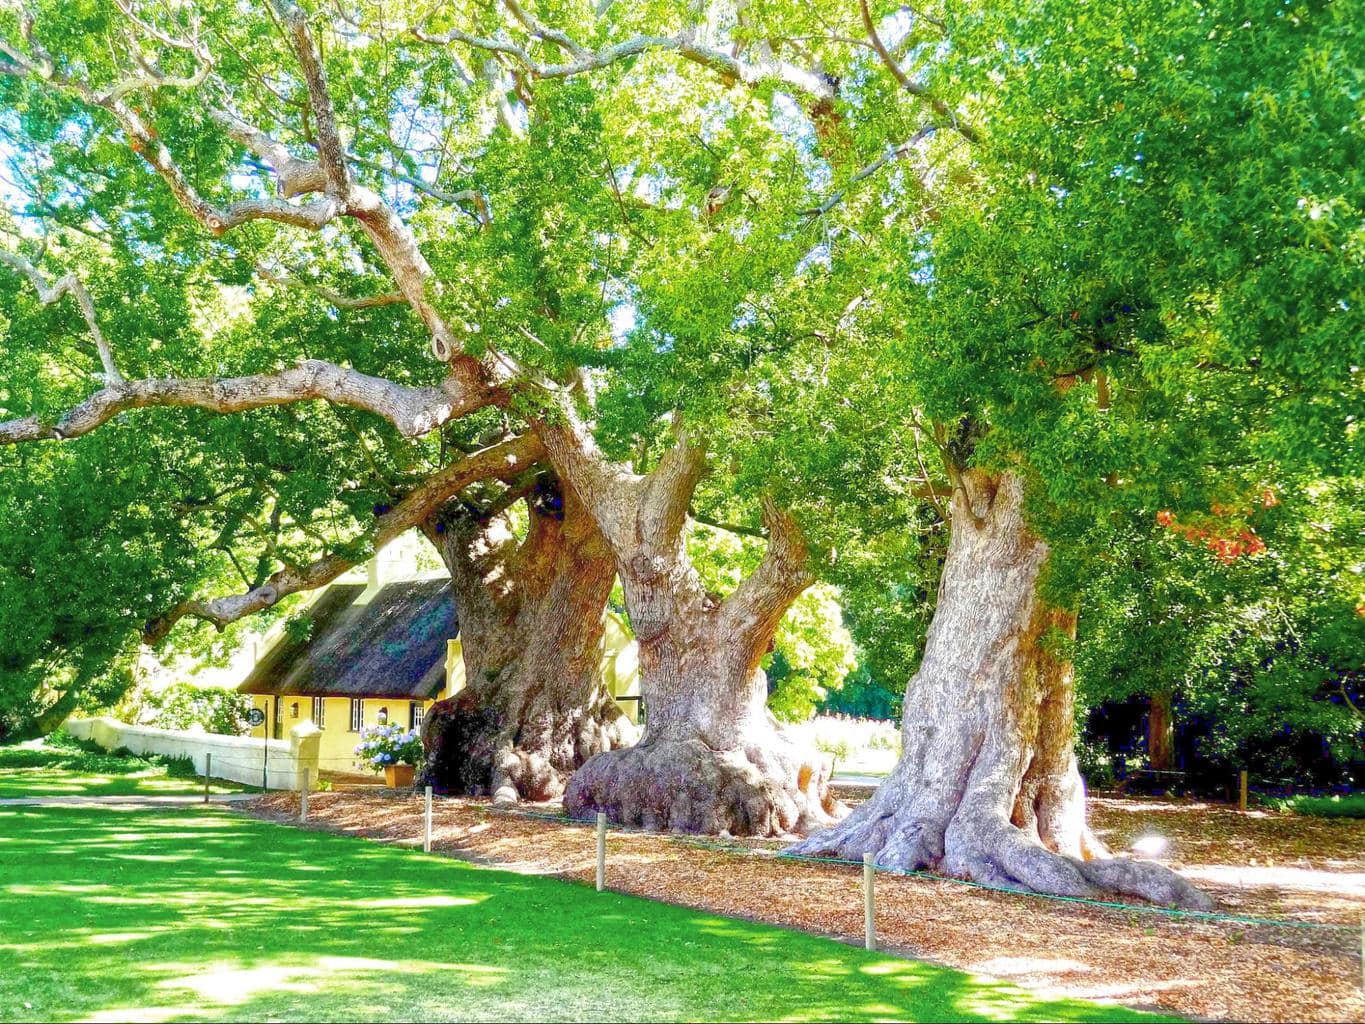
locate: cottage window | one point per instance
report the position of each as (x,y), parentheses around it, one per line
(416,714)
(320,712)
(357,713)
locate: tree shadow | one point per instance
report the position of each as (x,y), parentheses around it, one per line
(194,914)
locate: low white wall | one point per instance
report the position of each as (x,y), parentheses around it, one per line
(280,763)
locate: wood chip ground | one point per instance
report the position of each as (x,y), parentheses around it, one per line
(1263,865)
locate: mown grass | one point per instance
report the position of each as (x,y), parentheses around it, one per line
(117,914)
(62,766)
(1351,805)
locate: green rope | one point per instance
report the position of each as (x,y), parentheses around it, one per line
(1199,915)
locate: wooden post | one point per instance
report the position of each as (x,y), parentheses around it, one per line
(1242,793)
(869,903)
(303,794)
(265,751)
(601,851)
(208,774)
(426,840)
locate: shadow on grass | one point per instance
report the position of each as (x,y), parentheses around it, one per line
(112,914)
(64,767)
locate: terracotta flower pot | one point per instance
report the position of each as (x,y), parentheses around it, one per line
(398,776)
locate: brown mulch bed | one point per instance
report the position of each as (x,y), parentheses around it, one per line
(1264,865)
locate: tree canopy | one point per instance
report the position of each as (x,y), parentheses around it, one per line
(852,253)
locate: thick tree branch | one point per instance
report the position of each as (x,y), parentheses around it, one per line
(414,411)
(757,605)
(331,152)
(503,461)
(666,491)
(296,177)
(68,284)
(604,486)
(685,44)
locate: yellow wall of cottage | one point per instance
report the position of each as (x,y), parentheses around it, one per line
(338,716)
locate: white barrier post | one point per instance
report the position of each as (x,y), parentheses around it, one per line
(601,851)
(303,794)
(208,774)
(869,903)
(426,840)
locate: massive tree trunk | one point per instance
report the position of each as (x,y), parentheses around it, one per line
(534,706)
(987,786)
(712,758)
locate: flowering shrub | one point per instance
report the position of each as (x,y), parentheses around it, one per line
(384,746)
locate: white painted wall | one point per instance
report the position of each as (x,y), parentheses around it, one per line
(235,758)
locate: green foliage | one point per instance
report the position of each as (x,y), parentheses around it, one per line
(1351,806)
(184,706)
(1265,652)
(1122,256)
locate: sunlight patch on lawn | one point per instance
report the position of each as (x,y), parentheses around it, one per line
(227,983)
(112,938)
(398,902)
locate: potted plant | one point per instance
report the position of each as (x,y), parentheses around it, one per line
(393,750)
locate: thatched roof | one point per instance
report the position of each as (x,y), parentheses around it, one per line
(391,646)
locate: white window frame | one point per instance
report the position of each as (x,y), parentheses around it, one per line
(416,715)
(357,714)
(320,712)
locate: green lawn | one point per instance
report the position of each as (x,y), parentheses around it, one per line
(59,766)
(202,914)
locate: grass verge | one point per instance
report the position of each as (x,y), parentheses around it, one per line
(62,766)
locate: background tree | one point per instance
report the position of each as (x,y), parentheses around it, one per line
(1137,292)
(1258,652)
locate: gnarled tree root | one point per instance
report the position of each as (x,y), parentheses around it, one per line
(998,853)
(477,750)
(683,785)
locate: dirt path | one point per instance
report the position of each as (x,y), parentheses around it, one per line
(1199,969)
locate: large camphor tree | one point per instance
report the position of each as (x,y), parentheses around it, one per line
(519,214)
(1137,296)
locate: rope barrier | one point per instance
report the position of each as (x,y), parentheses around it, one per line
(741,850)
(736,848)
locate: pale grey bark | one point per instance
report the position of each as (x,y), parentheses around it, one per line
(987,786)
(712,758)
(414,411)
(688,44)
